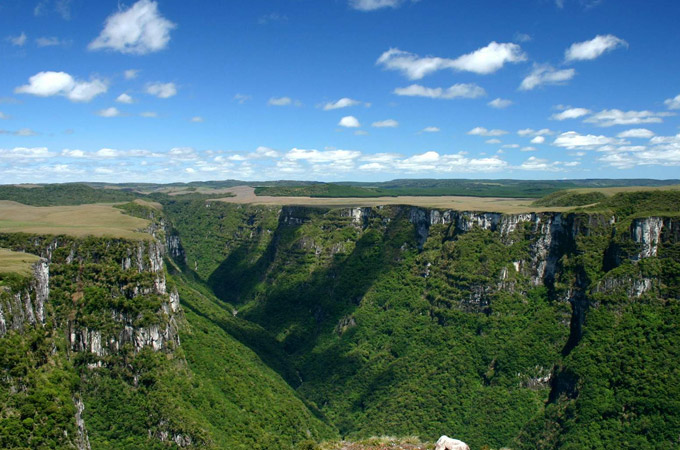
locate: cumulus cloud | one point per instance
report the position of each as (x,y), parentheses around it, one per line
(538,140)
(161,90)
(481,131)
(124,98)
(673,103)
(573,140)
(534,163)
(593,48)
(460,90)
(18,41)
(322,156)
(46,84)
(389,123)
(342,103)
(571,113)
(349,122)
(109,112)
(500,103)
(641,133)
(545,74)
(493,141)
(430,130)
(611,117)
(532,132)
(23,153)
(485,60)
(139,29)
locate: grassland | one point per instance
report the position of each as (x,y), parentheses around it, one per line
(16,262)
(81,220)
(246,194)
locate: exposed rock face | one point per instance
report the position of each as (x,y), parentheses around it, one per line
(82,442)
(632,287)
(27,307)
(647,233)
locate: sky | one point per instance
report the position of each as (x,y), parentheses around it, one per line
(338,90)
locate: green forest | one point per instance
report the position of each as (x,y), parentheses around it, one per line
(301,325)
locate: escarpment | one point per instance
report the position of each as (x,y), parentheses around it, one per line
(238,326)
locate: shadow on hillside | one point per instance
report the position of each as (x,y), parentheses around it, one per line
(300,307)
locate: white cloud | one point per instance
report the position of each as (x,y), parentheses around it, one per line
(109,112)
(593,48)
(183,154)
(493,141)
(3,116)
(511,146)
(266,152)
(545,74)
(18,41)
(22,153)
(349,122)
(242,98)
(522,37)
(574,140)
(280,101)
(434,162)
(73,153)
(642,133)
(460,90)
(500,103)
(25,132)
(124,98)
(673,103)
(485,60)
(571,113)
(131,74)
(148,114)
(389,123)
(342,103)
(528,149)
(107,153)
(197,119)
(51,42)
(430,130)
(161,90)
(611,117)
(532,132)
(372,5)
(46,84)
(361,133)
(481,131)
(339,159)
(538,140)
(534,163)
(139,29)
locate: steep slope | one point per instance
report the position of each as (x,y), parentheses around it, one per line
(494,327)
(96,352)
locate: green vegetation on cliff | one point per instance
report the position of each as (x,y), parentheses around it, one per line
(300,325)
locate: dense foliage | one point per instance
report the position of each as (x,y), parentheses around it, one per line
(432,187)
(62,194)
(300,325)
(570,198)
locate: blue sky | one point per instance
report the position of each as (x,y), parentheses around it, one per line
(164,91)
